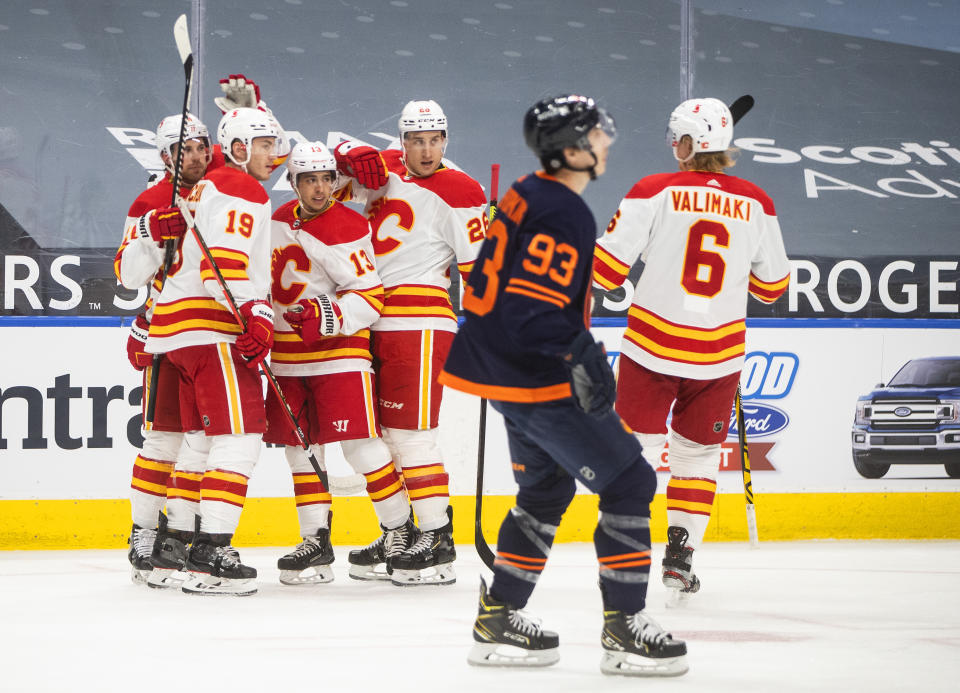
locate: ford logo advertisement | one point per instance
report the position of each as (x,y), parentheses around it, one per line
(759,420)
(903,411)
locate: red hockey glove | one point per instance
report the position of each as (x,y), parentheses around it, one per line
(257,340)
(238,92)
(313,318)
(136,343)
(362,163)
(162,225)
(591,378)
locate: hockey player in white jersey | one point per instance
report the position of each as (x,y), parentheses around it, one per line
(425,216)
(221,397)
(326,294)
(707,239)
(156,480)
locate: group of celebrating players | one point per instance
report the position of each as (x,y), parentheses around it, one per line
(353,312)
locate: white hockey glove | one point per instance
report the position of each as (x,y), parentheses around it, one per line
(238,92)
(313,318)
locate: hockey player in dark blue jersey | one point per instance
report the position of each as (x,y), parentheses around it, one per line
(526,346)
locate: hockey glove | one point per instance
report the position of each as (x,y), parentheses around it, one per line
(136,343)
(362,163)
(257,340)
(162,225)
(238,92)
(594,385)
(313,318)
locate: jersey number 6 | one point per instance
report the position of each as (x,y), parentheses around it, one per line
(703,270)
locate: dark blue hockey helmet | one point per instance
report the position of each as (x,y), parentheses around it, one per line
(563,121)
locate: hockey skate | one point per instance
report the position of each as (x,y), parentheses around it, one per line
(169,556)
(429,561)
(505,637)
(309,563)
(370,562)
(141,544)
(636,645)
(215,568)
(677,565)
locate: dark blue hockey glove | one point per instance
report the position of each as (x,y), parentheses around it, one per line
(592,380)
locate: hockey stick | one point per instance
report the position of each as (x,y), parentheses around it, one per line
(271,378)
(182,38)
(741,107)
(745,466)
(483,549)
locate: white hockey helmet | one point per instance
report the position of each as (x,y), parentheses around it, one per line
(283,144)
(310,157)
(246,124)
(707,121)
(422,116)
(168,134)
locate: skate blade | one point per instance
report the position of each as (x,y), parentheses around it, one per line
(314,575)
(628,664)
(503,655)
(165,578)
(208,584)
(677,599)
(437,575)
(369,572)
(139,577)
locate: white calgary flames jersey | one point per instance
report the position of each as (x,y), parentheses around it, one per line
(706,240)
(330,254)
(139,260)
(420,226)
(233,215)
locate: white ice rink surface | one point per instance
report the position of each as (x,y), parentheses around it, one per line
(800,616)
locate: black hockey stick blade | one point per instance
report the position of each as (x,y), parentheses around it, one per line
(741,107)
(479,541)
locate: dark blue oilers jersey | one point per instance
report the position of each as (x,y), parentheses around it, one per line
(528,296)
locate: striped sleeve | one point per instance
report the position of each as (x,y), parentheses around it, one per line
(769,268)
(626,237)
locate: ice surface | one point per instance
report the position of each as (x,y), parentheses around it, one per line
(800,616)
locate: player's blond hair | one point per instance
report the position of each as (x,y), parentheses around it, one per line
(715,162)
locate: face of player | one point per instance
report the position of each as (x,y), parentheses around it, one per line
(314,190)
(196,157)
(600,143)
(262,153)
(422,151)
(599,146)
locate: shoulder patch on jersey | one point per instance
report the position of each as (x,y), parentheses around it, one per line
(454,187)
(337,225)
(231,181)
(285,213)
(152,198)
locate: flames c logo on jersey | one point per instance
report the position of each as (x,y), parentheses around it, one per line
(380,211)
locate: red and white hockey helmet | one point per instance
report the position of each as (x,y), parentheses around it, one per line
(168,134)
(310,157)
(422,116)
(707,121)
(246,124)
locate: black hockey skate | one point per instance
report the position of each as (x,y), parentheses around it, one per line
(141,544)
(309,563)
(370,562)
(429,561)
(216,568)
(677,566)
(169,556)
(505,637)
(635,645)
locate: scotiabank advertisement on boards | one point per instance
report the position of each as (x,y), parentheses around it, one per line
(816,419)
